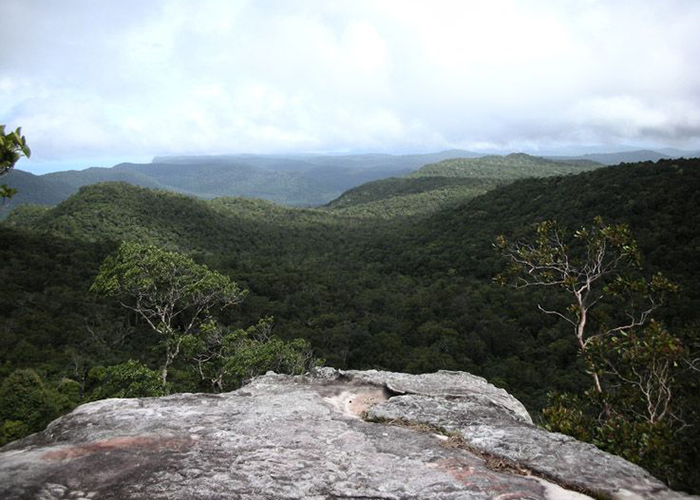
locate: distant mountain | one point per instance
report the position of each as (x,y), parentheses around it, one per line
(306,162)
(616,158)
(79,178)
(512,166)
(680,153)
(33,189)
(441,184)
(299,180)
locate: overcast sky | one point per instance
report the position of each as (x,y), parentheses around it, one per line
(96,82)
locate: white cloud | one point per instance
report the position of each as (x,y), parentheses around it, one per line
(89,79)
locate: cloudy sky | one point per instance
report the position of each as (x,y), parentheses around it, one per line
(96,82)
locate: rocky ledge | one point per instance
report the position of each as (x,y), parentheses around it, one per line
(328,435)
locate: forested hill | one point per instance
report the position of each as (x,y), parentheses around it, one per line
(446,183)
(333,278)
(297,180)
(411,294)
(628,156)
(512,166)
(659,201)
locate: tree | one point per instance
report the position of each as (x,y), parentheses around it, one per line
(174,295)
(131,379)
(26,405)
(12,147)
(643,367)
(226,358)
(634,361)
(597,263)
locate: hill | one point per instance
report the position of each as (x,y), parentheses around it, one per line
(320,271)
(406,196)
(297,180)
(33,189)
(446,183)
(412,294)
(512,166)
(121,211)
(622,157)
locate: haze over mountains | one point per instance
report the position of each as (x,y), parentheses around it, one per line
(302,180)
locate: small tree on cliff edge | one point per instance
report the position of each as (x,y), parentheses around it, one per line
(172,293)
(599,262)
(637,406)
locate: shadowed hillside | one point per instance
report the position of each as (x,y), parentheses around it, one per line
(412,294)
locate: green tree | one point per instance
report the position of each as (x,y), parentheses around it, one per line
(643,367)
(598,262)
(26,405)
(227,358)
(13,146)
(634,361)
(174,295)
(131,379)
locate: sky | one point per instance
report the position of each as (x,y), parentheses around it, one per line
(98,82)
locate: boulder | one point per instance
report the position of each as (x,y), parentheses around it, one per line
(327,435)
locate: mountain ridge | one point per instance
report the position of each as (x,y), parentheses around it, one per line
(409,294)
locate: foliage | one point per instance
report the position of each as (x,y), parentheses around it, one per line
(656,446)
(253,356)
(642,369)
(27,405)
(28,214)
(13,146)
(594,265)
(407,197)
(168,290)
(227,358)
(402,293)
(512,166)
(633,370)
(131,379)
(568,414)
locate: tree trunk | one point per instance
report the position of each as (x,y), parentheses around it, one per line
(580,329)
(164,375)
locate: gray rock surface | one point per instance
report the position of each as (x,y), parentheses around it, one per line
(284,437)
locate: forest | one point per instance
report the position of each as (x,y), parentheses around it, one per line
(399,274)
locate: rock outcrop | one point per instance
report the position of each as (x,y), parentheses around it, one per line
(330,435)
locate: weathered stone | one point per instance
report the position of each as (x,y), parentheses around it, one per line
(450,385)
(284,437)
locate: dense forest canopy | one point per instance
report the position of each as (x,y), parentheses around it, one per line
(396,274)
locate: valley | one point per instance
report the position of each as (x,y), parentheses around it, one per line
(396,274)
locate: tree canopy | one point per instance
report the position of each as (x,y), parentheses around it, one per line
(172,293)
(404,293)
(13,146)
(634,361)
(597,262)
